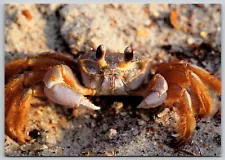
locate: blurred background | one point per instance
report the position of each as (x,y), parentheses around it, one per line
(157,31)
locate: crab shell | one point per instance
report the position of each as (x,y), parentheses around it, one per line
(112,74)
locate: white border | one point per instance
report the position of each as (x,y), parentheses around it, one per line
(102,1)
(114,1)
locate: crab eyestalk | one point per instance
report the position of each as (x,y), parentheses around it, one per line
(128,54)
(100,55)
(128,57)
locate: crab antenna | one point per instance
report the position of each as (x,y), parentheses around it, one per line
(128,54)
(100,55)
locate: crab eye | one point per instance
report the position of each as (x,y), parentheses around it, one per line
(128,54)
(100,53)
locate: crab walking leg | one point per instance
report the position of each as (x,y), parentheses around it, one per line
(62,87)
(16,120)
(38,96)
(174,93)
(192,77)
(208,79)
(180,99)
(13,92)
(41,62)
(16,115)
(155,93)
(185,118)
(34,64)
(18,100)
(17,84)
(203,97)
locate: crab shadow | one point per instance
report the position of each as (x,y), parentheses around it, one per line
(126,133)
(112,131)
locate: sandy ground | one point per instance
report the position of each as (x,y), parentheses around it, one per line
(158,32)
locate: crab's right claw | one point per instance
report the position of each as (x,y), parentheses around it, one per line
(62,87)
(66,96)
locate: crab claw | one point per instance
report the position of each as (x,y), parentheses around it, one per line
(66,96)
(62,87)
(158,93)
(153,100)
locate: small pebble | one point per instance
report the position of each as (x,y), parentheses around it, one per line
(190,40)
(206,145)
(33,147)
(174,15)
(160,145)
(144,117)
(141,122)
(35,133)
(27,14)
(123,113)
(156,14)
(110,153)
(117,106)
(104,127)
(163,113)
(204,34)
(135,132)
(141,32)
(93,124)
(111,133)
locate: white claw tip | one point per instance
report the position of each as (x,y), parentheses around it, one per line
(86,103)
(152,100)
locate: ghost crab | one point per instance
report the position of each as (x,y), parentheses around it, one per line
(58,77)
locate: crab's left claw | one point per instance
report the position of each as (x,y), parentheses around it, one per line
(62,87)
(155,93)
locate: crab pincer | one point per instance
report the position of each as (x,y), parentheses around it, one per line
(155,93)
(62,87)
